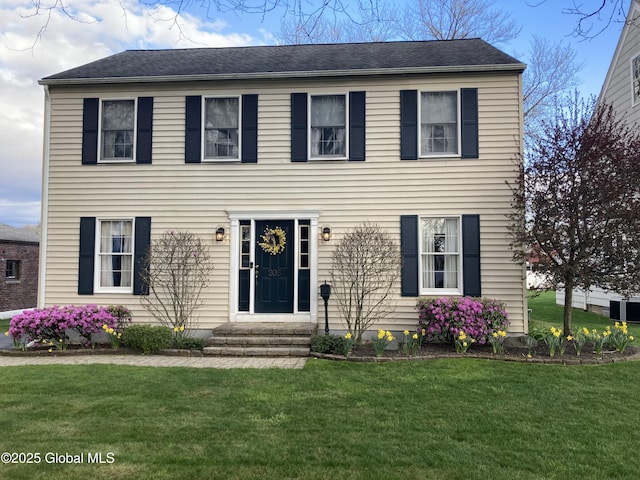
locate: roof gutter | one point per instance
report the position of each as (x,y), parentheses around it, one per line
(511,67)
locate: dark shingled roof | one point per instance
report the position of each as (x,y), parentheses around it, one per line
(21,235)
(291,60)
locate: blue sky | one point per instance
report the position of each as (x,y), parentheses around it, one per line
(104,29)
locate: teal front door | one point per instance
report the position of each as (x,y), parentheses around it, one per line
(274,258)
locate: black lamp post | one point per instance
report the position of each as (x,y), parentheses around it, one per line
(325,293)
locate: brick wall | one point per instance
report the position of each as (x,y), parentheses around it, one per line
(23,291)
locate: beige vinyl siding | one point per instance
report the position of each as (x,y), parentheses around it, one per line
(195,197)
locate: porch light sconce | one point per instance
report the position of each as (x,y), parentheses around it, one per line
(326,233)
(220,234)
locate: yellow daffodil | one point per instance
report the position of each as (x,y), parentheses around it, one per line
(6,334)
(182,328)
(632,338)
(585,330)
(415,336)
(569,338)
(406,333)
(424,332)
(380,334)
(495,334)
(348,336)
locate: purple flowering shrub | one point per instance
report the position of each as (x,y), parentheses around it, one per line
(55,323)
(444,318)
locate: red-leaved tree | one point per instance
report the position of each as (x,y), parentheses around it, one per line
(577,202)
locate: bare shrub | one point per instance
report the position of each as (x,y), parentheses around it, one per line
(177,270)
(365,270)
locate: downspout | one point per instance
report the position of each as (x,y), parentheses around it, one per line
(44,203)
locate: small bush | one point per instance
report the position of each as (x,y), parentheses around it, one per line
(190,343)
(148,338)
(444,318)
(327,344)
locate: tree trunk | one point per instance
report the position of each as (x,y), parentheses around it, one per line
(568,300)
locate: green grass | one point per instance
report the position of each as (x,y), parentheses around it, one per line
(443,419)
(545,313)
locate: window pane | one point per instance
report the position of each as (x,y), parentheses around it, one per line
(328,142)
(117,114)
(221,113)
(440,253)
(222,117)
(118,120)
(328,126)
(439,122)
(115,251)
(328,111)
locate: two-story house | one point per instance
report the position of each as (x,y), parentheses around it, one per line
(230,143)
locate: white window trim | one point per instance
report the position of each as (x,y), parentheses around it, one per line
(458,154)
(346,125)
(634,101)
(135,130)
(203,140)
(440,291)
(96,256)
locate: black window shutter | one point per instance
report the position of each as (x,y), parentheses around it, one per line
(142,241)
(409,252)
(298,127)
(145,130)
(193,130)
(249,128)
(87,255)
(469,108)
(357,120)
(408,124)
(471,255)
(90,131)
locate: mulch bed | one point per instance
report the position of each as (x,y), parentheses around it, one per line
(539,354)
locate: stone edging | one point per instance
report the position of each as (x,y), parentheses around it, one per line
(95,351)
(505,358)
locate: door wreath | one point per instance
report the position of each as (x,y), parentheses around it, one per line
(273,240)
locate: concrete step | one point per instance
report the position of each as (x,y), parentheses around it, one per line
(261,339)
(238,351)
(254,329)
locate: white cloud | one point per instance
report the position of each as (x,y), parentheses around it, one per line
(32,48)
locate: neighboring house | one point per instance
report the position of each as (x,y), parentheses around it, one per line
(231,143)
(621,89)
(19,253)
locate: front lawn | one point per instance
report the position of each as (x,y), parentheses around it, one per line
(443,419)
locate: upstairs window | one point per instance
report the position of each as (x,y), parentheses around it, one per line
(328,126)
(635,79)
(438,123)
(117,130)
(221,128)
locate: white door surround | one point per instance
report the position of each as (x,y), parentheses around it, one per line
(253,215)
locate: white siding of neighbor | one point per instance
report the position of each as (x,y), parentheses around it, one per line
(617,90)
(195,197)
